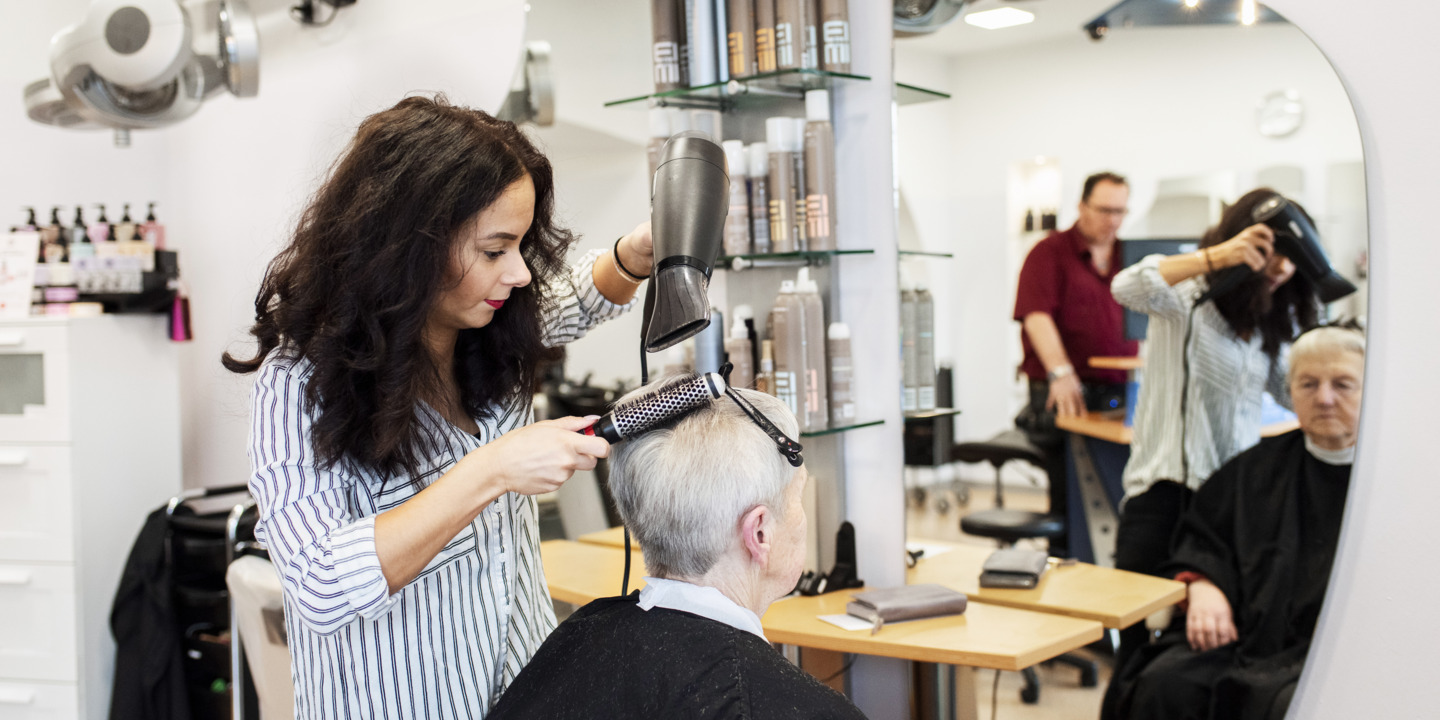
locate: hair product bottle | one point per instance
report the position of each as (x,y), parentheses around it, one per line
(808,41)
(80,245)
(152,231)
(746,315)
(125,229)
(758,185)
(765,372)
(819,172)
(100,231)
(741,355)
(835,36)
(703,40)
(815,382)
(909,399)
(707,122)
(740,37)
(787,332)
(924,348)
(765,36)
(737,219)
(842,371)
(667,51)
(789,14)
(52,239)
(710,344)
(781,186)
(797,155)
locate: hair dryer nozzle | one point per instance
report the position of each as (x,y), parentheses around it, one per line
(682,306)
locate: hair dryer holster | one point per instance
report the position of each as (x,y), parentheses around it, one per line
(688,203)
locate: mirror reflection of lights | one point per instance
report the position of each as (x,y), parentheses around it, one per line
(1247,12)
(999,18)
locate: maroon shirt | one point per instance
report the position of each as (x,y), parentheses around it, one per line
(1059,279)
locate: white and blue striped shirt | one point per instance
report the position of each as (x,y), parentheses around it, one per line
(447,644)
(1227,378)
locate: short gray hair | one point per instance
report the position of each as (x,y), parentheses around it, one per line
(682,490)
(1325,341)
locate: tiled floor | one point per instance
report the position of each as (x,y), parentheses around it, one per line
(1061,697)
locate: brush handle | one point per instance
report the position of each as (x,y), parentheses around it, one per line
(671,401)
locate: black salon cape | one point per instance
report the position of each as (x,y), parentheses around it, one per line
(611,659)
(1263,528)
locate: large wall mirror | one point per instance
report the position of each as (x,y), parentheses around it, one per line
(1193,114)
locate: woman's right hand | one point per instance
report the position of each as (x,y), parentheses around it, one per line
(1209,621)
(1252,247)
(540,457)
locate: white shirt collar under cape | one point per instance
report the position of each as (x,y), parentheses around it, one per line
(707,602)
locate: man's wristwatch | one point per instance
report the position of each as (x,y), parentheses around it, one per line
(1060,372)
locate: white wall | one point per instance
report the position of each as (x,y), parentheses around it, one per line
(1151,103)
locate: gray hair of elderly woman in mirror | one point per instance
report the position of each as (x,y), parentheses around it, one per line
(1327,381)
(685,492)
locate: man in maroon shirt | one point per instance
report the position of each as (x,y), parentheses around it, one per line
(1064,305)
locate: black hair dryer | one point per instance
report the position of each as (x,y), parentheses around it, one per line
(688,202)
(1295,238)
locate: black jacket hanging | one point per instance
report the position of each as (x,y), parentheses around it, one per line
(149,671)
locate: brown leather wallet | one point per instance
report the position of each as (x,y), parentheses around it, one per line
(907,602)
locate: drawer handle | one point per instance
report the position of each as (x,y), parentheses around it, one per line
(14,577)
(16,696)
(13,458)
(12,339)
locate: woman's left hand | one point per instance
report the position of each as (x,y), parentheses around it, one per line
(637,251)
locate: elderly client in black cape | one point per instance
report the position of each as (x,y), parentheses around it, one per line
(1255,548)
(716,509)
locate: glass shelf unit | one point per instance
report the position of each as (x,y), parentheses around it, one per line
(789,259)
(756,91)
(927,414)
(925,254)
(841,429)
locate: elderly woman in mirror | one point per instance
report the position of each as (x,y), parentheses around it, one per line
(716,509)
(1255,548)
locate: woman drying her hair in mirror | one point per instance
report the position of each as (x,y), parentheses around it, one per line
(401,334)
(1208,363)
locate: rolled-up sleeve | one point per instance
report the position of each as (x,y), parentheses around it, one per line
(579,305)
(1141,288)
(324,552)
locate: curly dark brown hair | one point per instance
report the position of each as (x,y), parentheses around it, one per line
(1247,308)
(353,289)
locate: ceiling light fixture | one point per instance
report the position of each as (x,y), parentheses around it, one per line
(1192,3)
(1000,18)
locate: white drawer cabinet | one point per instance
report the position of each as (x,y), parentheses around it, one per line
(89,445)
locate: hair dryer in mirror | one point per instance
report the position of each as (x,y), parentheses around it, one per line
(688,202)
(1295,238)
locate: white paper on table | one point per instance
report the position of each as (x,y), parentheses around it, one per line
(18,253)
(928,550)
(847,622)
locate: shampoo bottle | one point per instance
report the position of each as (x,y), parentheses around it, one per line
(739,351)
(781,186)
(842,373)
(909,399)
(52,239)
(125,229)
(758,185)
(819,172)
(100,231)
(737,219)
(152,231)
(80,245)
(924,348)
(816,382)
(835,36)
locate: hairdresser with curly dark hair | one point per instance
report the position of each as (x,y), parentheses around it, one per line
(1207,367)
(401,335)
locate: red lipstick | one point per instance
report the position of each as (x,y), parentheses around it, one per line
(495,303)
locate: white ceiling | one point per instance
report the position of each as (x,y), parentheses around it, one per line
(1053,19)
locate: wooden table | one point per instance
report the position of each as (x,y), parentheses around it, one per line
(1114,598)
(1104,426)
(577,573)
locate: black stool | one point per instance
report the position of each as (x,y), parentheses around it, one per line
(1009,526)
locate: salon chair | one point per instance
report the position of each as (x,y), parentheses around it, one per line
(1007,527)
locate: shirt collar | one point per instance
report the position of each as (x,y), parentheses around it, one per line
(1343,456)
(1081,246)
(707,602)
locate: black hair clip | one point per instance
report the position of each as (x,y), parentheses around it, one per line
(789,448)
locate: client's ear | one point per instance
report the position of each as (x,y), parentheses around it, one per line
(755,529)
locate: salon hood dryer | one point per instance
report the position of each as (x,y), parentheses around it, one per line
(1296,238)
(688,202)
(129,64)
